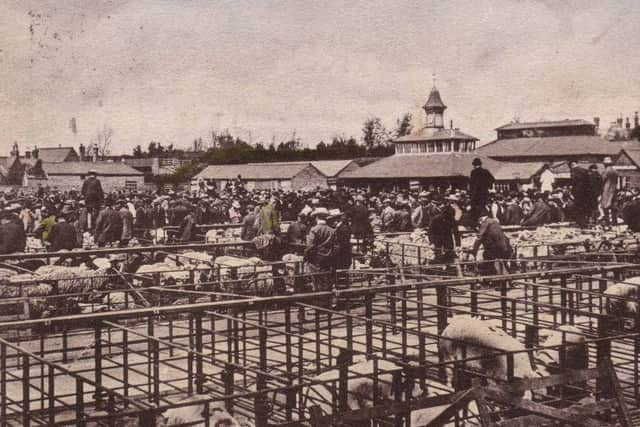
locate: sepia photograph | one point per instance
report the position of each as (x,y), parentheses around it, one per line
(294,213)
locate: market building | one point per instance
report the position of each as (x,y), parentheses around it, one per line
(264,176)
(550,142)
(432,157)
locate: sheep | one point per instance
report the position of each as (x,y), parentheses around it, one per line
(470,338)
(195,414)
(361,389)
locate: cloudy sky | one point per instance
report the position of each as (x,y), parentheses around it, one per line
(174,70)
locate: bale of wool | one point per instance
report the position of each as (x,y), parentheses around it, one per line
(468,337)
(195,414)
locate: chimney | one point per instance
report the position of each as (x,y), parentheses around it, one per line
(82,151)
(596,121)
(451,124)
(619,122)
(628,124)
(636,121)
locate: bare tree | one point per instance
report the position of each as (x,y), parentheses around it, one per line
(101,142)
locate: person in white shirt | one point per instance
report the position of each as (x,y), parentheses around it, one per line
(547,178)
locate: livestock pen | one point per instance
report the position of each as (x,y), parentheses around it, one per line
(304,359)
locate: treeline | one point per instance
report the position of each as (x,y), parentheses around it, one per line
(225,148)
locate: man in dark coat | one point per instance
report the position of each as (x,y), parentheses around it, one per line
(93,195)
(108,226)
(581,189)
(63,235)
(495,243)
(443,232)
(12,235)
(540,214)
(320,252)
(480,181)
(360,224)
(513,213)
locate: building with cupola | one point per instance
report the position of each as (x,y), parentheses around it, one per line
(433,157)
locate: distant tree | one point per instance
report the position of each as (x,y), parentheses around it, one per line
(374,134)
(403,125)
(102,141)
(137,152)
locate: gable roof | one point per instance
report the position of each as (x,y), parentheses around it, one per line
(255,171)
(545,124)
(632,154)
(329,168)
(421,166)
(431,134)
(56,154)
(550,146)
(83,168)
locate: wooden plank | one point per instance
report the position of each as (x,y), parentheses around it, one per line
(520,385)
(563,415)
(537,420)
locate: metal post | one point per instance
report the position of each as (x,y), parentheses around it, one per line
(80,403)
(198,338)
(97,360)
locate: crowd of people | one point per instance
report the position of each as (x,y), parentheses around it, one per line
(324,220)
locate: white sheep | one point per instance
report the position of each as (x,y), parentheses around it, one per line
(194,415)
(470,338)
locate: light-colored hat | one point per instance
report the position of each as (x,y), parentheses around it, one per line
(236,204)
(453,198)
(607,161)
(334,213)
(320,212)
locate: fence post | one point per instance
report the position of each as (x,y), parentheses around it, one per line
(97,338)
(3,384)
(199,371)
(26,388)
(80,403)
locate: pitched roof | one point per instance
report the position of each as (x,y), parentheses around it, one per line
(633,154)
(83,168)
(434,134)
(508,171)
(254,171)
(55,154)
(550,146)
(421,166)
(434,100)
(328,168)
(545,124)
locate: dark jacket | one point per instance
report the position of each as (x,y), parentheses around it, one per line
(249,231)
(297,232)
(108,227)
(539,215)
(63,236)
(320,246)
(12,236)
(343,245)
(513,214)
(360,224)
(495,243)
(580,186)
(443,231)
(480,181)
(92,191)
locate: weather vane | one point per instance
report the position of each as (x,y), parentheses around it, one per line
(434,79)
